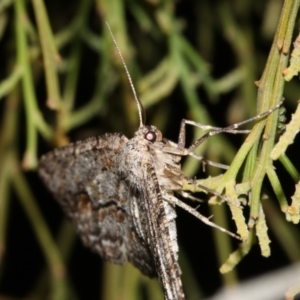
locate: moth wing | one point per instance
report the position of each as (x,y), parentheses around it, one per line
(161,235)
(83,178)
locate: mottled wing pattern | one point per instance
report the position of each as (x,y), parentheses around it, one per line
(84,179)
(162,236)
(143,164)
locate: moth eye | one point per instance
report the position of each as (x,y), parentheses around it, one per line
(150,136)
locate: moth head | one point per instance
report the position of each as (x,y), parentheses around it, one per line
(149,133)
(150,136)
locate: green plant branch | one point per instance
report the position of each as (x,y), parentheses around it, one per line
(65,242)
(76,28)
(3,24)
(263,161)
(252,154)
(287,138)
(285,161)
(284,232)
(293,211)
(235,257)
(32,36)
(236,209)
(223,243)
(270,91)
(4,4)
(240,38)
(240,157)
(143,19)
(9,83)
(97,103)
(277,188)
(229,81)
(44,129)
(94,105)
(130,281)
(8,138)
(30,156)
(198,112)
(77,25)
(286,34)
(201,66)
(91,39)
(250,163)
(34,119)
(262,233)
(117,22)
(50,55)
(271,84)
(159,83)
(112,275)
(41,230)
(72,76)
(153,290)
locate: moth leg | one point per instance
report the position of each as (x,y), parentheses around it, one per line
(213,130)
(173,149)
(189,196)
(210,191)
(173,200)
(216,130)
(208,162)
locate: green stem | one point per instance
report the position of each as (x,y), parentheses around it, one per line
(30,156)
(8,144)
(158,84)
(288,165)
(39,226)
(72,76)
(284,231)
(76,26)
(270,93)
(200,64)
(241,41)
(4,4)
(8,84)
(277,187)
(223,244)
(50,54)
(240,157)
(112,277)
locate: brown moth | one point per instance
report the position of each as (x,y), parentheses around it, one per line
(120,195)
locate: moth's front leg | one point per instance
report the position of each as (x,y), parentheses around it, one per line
(216,130)
(182,131)
(213,131)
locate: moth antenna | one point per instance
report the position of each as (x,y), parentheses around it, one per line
(137,100)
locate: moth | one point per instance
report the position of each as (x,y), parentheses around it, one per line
(121,193)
